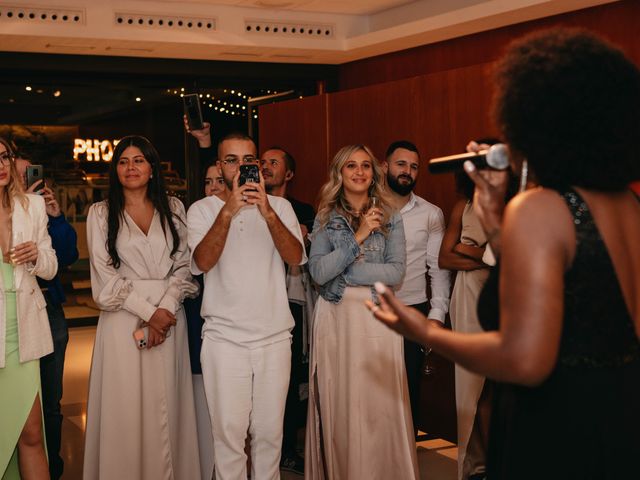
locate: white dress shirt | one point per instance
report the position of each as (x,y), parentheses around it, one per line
(424,229)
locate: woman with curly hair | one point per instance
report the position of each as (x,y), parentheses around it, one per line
(140,412)
(25,336)
(562,308)
(359,423)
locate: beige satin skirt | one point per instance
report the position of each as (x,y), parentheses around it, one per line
(359,420)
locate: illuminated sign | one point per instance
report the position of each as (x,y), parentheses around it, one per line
(93,150)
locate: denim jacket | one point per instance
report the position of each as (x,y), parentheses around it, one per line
(335,260)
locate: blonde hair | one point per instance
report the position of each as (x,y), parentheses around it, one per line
(14,188)
(331,195)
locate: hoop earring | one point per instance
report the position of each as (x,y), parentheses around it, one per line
(150,176)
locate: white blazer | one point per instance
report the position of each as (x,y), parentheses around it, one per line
(34,333)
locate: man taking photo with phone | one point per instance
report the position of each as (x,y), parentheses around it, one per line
(241,246)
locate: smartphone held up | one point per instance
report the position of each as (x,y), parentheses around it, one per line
(249,174)
(193,111)
(34,174)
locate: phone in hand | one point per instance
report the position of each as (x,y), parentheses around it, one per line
(140,336)
(249,174)
(34,174)
(193,111)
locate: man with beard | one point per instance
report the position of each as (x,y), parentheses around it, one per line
(424,228)
(278,169)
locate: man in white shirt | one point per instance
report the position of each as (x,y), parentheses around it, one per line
(424,228)
(241,245)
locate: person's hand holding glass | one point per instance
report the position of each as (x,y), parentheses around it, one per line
(22,251)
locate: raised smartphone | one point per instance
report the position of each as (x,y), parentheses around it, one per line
(34,174)
(249,174)
(193,111)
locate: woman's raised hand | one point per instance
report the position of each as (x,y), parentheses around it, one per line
(369,222)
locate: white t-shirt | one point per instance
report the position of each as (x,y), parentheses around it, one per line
(245,297)
(423,230)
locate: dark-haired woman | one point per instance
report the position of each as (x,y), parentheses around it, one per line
(140,414)
(562,310)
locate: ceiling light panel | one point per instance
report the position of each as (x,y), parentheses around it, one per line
(289,29)
(55,15)
(173,22)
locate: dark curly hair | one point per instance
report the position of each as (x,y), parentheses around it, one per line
(156,192)
(569,103)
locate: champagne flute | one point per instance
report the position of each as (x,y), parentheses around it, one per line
(374,202)
(16,239)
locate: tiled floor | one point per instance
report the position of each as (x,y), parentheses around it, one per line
(437,458)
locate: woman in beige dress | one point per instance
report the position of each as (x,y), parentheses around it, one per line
(141,418)
(462,250)
(359,424)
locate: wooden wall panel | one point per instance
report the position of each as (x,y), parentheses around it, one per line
(440,113)
(616,21)
(300,127)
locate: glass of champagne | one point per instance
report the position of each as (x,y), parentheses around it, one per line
(16,239)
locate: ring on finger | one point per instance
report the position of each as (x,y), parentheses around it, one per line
(375,308)
(244,198)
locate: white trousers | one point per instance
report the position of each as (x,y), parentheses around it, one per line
(246,389)
(203,419)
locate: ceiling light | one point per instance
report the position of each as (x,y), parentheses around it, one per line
(57,93)
(138,99)
(28,88)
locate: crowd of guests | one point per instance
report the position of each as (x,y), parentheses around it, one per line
(225,328)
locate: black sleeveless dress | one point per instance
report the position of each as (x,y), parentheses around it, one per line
(583,422)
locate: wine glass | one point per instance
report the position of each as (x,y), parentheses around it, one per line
(16,239)
(374,202)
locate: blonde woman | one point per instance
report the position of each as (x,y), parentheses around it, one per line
(26,253)
(359,423)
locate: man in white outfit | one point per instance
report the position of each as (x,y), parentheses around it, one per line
(241,246)
(424,229)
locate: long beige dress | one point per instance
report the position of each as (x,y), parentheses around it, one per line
(359,422)
(464,318)
(141,418)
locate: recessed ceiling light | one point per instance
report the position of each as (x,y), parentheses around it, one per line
(28,88)
(138,99)
(57,93)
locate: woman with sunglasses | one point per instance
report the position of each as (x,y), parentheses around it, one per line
(25,336)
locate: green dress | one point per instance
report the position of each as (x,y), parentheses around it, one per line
(19,383)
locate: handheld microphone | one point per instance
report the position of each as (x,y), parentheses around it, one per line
(497,157)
